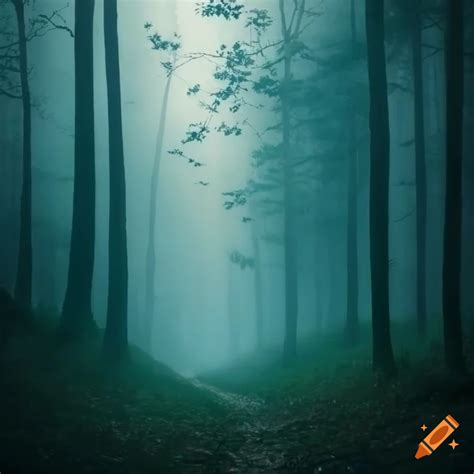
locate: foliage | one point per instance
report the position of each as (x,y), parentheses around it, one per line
(179,153)
(228,9)
(196,132)
(194,89)
(37,26)
(238,198)
(228,130)
(241,260)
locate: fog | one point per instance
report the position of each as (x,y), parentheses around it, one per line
(197,288)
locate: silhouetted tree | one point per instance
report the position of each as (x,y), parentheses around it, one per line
(236,259)
(379,188)
(115,337)
(420,164)
(453,202)
(236,68)
(158,44)
(352,316)
(258,286)
(24,274)
(14,84)
(77,316)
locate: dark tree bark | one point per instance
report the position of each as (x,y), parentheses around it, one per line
(420,167)
(115,337)
(24,273)
(291,274)
(151,254)
(453,204)
(77,320)
(352,316)
(383,360)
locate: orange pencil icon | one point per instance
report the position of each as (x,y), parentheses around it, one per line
(437,437)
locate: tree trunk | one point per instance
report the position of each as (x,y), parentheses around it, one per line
(352,316)
(24,273)
(383,361)
(453,204)
(258,287)
(115,337)
(420,166)
(318,287)
(233,309)
(291,277)
(151,255)
(77,320)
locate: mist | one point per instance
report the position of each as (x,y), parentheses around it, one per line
(282,187)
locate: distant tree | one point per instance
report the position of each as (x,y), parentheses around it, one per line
(25,258)
(290,33)
(76,318)
(352,316)
(420,164)
(246,68)
(407,23)
(281,86)
(14,84)
(237,259)
(150,267)
(408,20)
(115,337)
(453,201)
(258,286)
(383,360)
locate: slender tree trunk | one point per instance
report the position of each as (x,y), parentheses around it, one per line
(77,319)
(258,287)
(318,265)
(437,97)
(233,308)
(115,337)
(383,360)
(420,166)
(24,273)
(291,277)
(352,312)
(352,316)
(453,205)
(150,254)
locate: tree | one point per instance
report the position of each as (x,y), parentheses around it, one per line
(115,337)
(352,317)
(383,360)
(290,32)
(239,260)
(14,84)
(245,69)
(150,266)
(24,274)
(76,318)
(420,165)
(258,286)
(453,200)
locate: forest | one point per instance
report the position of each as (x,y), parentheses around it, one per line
(236,236)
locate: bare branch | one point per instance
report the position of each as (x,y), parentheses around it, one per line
(49,19)
(408,214)
(9,94)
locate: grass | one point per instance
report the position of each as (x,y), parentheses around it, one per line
(62,411)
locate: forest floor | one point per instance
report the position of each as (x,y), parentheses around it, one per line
(62,412)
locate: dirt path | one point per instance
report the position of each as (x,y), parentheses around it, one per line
(331,436)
